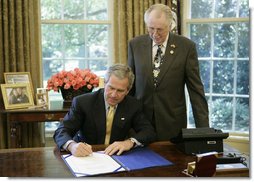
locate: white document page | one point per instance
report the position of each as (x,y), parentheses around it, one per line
(97,163)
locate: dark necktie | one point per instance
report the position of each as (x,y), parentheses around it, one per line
(156,65)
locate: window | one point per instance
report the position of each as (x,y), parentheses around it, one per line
(74,34)
(220,29)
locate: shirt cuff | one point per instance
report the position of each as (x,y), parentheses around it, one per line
(136,142)
(65,146)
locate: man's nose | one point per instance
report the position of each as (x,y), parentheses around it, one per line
(155,31)
(114,93)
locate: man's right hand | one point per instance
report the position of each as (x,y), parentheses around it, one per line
(80,149)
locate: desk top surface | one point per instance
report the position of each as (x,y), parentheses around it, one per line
(47,162)
(35,109)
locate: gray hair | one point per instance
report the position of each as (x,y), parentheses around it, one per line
(159,8)
(121,71)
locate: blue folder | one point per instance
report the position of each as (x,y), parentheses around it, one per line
(140,158)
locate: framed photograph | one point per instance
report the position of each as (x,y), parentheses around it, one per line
(18,77)
(17,95)
(41,90)
(42,99)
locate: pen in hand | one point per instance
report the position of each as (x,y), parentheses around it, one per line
(80,149)
(89,149)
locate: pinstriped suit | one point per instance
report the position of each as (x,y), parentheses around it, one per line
(165,105)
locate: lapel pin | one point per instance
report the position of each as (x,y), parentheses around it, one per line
(122,119)
(173,46)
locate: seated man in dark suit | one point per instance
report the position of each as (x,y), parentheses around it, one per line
(85,123)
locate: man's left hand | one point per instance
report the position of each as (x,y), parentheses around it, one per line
(119,147)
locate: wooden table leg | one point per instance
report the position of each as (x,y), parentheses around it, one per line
(15,138)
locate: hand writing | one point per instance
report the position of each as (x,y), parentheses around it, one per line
(80,149)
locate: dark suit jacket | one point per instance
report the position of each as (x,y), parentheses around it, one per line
(87,118)
(166,104)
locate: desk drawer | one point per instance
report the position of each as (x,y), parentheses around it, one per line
(35,117)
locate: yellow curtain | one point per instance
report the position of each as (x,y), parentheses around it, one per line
(129,22)
(19,52)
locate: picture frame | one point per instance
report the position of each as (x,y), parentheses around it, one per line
(17,95)
(42,99)
(41,90)
(18,77)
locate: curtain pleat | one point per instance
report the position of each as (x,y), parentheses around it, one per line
(19,52)
(129,22)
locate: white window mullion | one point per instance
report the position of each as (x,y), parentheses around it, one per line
(211,73)
(213,11)
(235,75)
(62,9)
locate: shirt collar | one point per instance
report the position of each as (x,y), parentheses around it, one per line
(107,105)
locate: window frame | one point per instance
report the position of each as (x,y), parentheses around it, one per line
(108,22)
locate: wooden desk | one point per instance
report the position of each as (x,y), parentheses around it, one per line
(47,162)
(16,117)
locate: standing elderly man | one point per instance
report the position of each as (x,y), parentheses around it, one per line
(88,123)
(164,64)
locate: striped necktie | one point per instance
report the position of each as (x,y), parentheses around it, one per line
(156,64)
(109,121)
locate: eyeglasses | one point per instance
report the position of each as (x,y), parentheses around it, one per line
(157,30)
